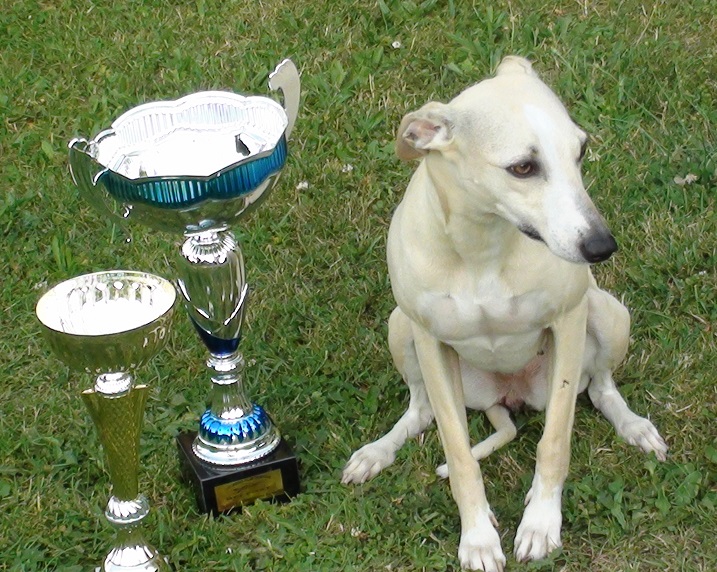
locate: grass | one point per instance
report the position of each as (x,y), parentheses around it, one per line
(640,76)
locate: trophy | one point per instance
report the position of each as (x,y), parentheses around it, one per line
(107,324)
(196,166)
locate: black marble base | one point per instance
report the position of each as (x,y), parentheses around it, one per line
(223,489)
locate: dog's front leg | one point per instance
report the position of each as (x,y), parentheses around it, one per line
(479,547)
(539,530)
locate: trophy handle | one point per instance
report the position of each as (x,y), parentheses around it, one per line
(285,78)
(86,173)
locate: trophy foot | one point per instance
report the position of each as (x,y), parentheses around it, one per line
(228,442)
(139,558)
(238,455)
(131,553)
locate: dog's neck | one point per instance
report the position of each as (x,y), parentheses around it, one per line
(475,236)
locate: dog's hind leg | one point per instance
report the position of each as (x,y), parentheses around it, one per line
(505,432)
(606,346)
(370,459)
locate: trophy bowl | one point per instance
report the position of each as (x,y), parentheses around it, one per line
(195,164)
(112,321)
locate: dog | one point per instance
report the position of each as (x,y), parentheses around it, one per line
(489,257)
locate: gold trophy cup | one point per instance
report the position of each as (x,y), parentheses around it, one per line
(107,324)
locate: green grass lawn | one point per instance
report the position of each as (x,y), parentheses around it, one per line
(639,76)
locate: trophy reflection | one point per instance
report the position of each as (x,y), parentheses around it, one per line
(107,324)
(196,166)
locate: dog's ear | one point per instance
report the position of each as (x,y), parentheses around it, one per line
(515,64)
(429,128)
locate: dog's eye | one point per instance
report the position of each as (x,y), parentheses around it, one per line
(523,170)
(583,150)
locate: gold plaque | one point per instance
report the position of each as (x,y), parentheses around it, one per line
(245,491)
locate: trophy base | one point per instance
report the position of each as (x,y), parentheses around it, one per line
(220,490)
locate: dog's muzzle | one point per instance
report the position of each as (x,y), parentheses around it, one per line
(598,247)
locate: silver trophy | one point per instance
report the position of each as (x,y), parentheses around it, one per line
(107,324)
(196,166)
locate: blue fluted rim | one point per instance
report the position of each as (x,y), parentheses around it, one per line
(219,431)
(182,192)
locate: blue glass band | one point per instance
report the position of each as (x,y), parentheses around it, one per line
(182,192)
(218,431)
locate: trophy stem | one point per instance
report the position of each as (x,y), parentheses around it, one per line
(233,430)
(117,410)
(118,419)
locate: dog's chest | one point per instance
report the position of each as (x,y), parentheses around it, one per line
(466,307)
(485,321)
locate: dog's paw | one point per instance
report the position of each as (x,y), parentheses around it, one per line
(366,463)
(442,471)
(641,433)
(480,549)
(539,531)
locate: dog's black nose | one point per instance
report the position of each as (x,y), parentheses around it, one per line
(598,247)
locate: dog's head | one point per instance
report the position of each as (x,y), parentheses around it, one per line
(508,145)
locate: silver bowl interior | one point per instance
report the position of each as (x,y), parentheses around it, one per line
(105,303)
(196,136)
(111,321)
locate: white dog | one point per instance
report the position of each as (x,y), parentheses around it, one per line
(488,255)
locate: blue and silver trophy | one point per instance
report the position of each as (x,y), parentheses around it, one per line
(196,166)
